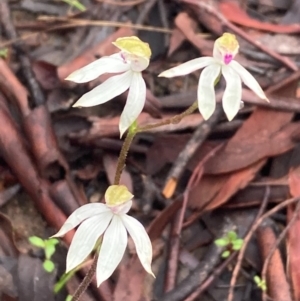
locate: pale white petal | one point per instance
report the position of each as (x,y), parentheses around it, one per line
(135,102)
(79,215)
(106,64)
(206,90)
(141,240)
(233,92)
(85,238)
(111,88)
(112,249)
(248,79)
(188,67)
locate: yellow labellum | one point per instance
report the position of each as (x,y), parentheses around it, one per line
(229,42)
(133,45)
(117,195)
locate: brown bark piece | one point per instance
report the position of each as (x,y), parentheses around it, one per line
(293,241)
(266,133)
(278,287)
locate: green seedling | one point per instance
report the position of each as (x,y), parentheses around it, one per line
(232,243)
(76,4)
(260,283)
(48,245)
(69,298)
(4,53)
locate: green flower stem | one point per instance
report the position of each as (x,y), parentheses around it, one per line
(173,120)
(134,129)
(63,280)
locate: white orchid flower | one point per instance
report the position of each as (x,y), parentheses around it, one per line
(222,62)
(110,222)
(130,62)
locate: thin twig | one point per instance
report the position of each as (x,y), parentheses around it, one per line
(216,272)
(203,270)
(186,154)
(82,23)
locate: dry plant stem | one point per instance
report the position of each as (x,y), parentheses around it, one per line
(196,277)
(283,83)
(174,120)
(247,239)
(172,261)
(175,243)
(86,280)
(245,243)
(275,246)
(82,23)
(190,148)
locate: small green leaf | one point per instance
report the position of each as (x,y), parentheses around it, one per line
(69,298)
(260,283)
(225,254)
(48,265)
(4,52)
(222,242)
(49,251)
(75,3)
(232,235)
(37,241)
(237,244)
(51,241)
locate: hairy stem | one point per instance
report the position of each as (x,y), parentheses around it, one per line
(123,156)
(86,280)
(172,120)
(134,130)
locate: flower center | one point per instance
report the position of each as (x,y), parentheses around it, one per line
(225,48)
(228,57)
(137,63)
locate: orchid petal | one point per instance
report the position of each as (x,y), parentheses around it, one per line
(141,240)
(111,88)
(188,67)
(135,102)
(233,92)
(112,249)
(79,215)
(107,64)
(206,90)
(248,79)
(85,238)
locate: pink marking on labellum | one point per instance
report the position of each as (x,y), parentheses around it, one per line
(228,58)
(123,57)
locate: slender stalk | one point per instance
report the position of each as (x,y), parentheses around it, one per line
(134,130)
(123,156)
(63,280)
(173,120)
(86,280)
